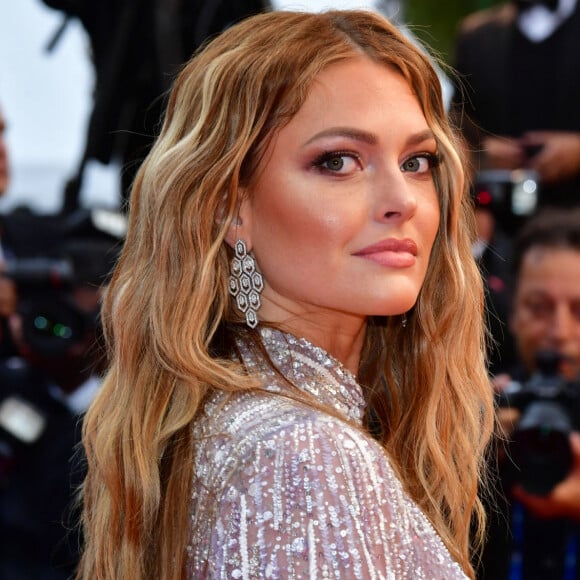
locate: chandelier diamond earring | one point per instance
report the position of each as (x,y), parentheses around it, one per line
(246,283)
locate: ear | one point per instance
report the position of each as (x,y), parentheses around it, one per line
(241,225)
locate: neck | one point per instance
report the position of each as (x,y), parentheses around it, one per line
(343,341)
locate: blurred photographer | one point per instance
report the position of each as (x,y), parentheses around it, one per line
(51,272)
(502,199)
(23,234)
(7,289)
(44,390)
(540,409)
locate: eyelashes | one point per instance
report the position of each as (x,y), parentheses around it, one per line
(413,163)
(335,161)
(346,162)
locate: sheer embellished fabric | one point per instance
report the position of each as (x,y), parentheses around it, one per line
(284,490)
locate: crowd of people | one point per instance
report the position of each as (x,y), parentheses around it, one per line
(53,269)
(51,273)
(516,105)
(324,347)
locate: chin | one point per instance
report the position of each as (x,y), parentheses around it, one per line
(396,307)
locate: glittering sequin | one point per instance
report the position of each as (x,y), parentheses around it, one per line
(283,490)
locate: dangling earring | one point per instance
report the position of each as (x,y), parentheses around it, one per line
(404,320)
(246,283)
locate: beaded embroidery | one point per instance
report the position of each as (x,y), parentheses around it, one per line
(283,490)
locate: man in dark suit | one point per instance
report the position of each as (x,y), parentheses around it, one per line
(518,92)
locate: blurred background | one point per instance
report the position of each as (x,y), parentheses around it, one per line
(82,85)
(46,93)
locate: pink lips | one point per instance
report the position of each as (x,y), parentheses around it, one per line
(391,252)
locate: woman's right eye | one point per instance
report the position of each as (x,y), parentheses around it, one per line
(338,162)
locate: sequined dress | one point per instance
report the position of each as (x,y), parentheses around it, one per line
(283,490)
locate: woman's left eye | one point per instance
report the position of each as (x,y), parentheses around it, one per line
(422,163)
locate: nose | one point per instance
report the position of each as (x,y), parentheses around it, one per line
(563,324)
(396,198)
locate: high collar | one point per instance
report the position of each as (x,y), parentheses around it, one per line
(309,368)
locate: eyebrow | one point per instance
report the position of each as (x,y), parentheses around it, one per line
(368,138)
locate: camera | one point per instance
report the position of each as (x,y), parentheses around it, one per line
(550,409)
(510,195)
(50,320)
(51,346)
(69,251)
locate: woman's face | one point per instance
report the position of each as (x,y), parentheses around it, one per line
(343,212)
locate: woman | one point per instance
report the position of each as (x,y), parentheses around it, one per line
(297,272)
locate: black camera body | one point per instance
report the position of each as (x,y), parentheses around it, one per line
(53,255)
(510,195)
(539,448)
(51,322)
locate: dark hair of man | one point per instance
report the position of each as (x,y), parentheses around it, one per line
(550,228)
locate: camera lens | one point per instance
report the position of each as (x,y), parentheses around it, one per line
(51,326)
(541,448)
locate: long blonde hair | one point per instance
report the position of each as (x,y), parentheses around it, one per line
(167,310)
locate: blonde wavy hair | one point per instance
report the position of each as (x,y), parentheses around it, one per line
(168,315)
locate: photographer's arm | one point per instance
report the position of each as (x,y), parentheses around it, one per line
(564,499)
(500,152)
(559,156)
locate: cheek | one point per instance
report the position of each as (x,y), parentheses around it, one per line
(293,222)
(299,246)
(528,331)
